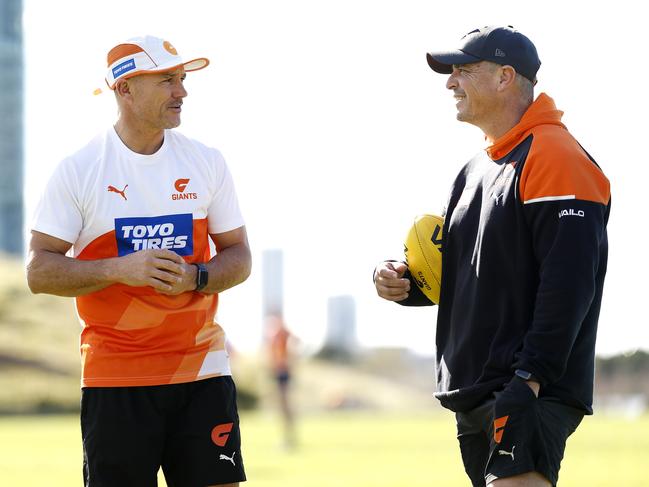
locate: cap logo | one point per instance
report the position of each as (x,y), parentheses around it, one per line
(124,67)
(169,48)
(500,53)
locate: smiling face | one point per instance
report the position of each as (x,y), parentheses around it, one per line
(475,87)
(157,99)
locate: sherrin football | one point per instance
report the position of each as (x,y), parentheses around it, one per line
(423,251)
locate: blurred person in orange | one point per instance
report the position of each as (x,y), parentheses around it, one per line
(280,343)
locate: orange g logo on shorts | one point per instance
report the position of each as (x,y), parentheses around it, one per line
(499,428)
(221,433)
(169,48)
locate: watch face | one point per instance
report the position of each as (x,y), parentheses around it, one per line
(201,276)
(523,374)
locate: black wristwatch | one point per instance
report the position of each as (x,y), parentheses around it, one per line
(201,276)
(525,375)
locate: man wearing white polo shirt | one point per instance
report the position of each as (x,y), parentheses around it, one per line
(137,207)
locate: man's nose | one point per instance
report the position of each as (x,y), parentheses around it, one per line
(179,91)
(451,82)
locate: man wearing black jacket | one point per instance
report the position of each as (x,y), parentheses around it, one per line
(524,258)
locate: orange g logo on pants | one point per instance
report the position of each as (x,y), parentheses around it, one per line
(499,428)
(221,433)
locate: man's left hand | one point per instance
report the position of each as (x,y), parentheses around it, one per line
(186,283)
(535,386)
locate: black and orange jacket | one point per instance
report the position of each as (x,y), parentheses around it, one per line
(525,253)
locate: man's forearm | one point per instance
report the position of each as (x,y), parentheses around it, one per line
(53,273)
(231,266)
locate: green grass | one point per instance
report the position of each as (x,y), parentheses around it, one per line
(39,372)
(349,449)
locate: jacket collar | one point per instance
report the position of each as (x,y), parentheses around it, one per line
(542,111)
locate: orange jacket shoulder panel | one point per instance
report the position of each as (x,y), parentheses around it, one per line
(558,168)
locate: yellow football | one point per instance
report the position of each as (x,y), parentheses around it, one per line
(423,251)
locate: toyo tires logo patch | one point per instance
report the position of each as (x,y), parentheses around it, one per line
(173,232)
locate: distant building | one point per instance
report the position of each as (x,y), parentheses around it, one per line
(340,340)
(272,294)
(11,127)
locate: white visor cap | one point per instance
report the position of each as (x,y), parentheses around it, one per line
(146,54)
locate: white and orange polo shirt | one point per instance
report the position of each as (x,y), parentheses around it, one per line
(109,201)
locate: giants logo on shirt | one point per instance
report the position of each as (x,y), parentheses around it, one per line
(173,232)
(180,186)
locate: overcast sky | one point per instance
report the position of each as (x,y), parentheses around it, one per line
(337,133)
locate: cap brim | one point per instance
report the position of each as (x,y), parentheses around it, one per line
(442,62)
(196,64)
(193,65)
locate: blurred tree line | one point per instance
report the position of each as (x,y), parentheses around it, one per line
(635,363)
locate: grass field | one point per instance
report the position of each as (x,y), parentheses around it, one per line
(344,449)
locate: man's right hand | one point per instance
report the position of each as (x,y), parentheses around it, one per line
(159,268)
(50,271)
(389,281)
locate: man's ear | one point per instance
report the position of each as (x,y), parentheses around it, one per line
(123,88)
(507,77)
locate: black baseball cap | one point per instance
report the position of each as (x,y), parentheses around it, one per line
(501,45)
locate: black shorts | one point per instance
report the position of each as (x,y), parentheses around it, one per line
(283,377)
(191,430)
(514,433)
